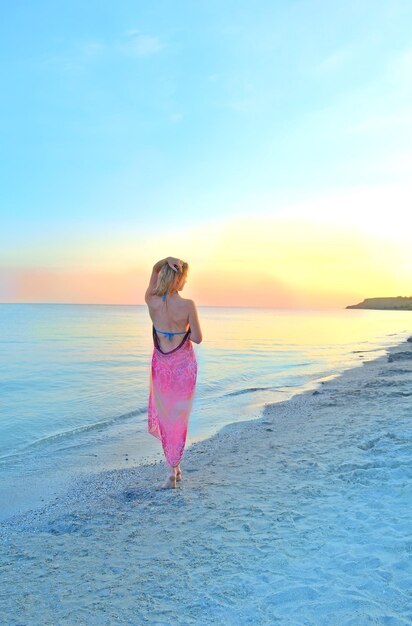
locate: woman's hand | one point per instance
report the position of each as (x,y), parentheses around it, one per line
(174,263)
(171,261)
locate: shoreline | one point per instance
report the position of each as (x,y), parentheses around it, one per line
(65,492)
(297,515)
(296,402)
(59,461)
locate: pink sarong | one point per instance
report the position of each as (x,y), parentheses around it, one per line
(172,389)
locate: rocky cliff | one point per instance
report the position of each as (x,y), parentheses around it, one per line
(400,303)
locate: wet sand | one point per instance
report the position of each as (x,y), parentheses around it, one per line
(301,517)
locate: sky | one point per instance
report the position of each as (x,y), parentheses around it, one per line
(268,144)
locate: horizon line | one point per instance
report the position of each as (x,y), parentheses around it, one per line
(222,306)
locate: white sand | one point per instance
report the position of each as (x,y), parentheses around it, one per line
(302,517)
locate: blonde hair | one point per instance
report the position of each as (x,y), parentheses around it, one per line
(169,279)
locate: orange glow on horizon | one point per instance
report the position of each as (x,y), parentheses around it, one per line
(283,261)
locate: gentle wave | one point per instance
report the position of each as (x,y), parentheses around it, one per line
(72,433)
(251,390)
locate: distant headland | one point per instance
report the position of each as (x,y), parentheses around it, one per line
(400,303)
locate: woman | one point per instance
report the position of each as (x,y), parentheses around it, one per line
(174,367)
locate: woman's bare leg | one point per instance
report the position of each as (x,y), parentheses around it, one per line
(171,481)
(178,473)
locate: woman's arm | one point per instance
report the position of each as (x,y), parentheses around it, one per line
(155,272)
(196,332)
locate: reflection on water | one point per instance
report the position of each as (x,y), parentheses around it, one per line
(63,367)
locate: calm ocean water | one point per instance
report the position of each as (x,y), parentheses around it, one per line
(74,380)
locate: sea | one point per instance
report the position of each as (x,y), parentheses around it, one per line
(74,381)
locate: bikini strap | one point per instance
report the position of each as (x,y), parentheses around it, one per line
(170,334)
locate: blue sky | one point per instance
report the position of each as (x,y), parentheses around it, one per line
(143,116)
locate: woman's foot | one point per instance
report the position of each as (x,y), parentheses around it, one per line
(171,482)
(178,473)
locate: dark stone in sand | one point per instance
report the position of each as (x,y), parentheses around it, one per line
(65,524)
(136,493)
(316,393)
(399,356)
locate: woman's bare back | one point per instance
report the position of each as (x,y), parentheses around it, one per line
(176,316)
(170,313)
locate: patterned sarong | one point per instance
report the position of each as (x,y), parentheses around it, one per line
(172,388)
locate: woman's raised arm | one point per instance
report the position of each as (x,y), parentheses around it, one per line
(173,263)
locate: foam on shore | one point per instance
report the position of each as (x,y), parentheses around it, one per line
(300,517)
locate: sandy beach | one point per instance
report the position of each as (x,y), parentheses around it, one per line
(301,517)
